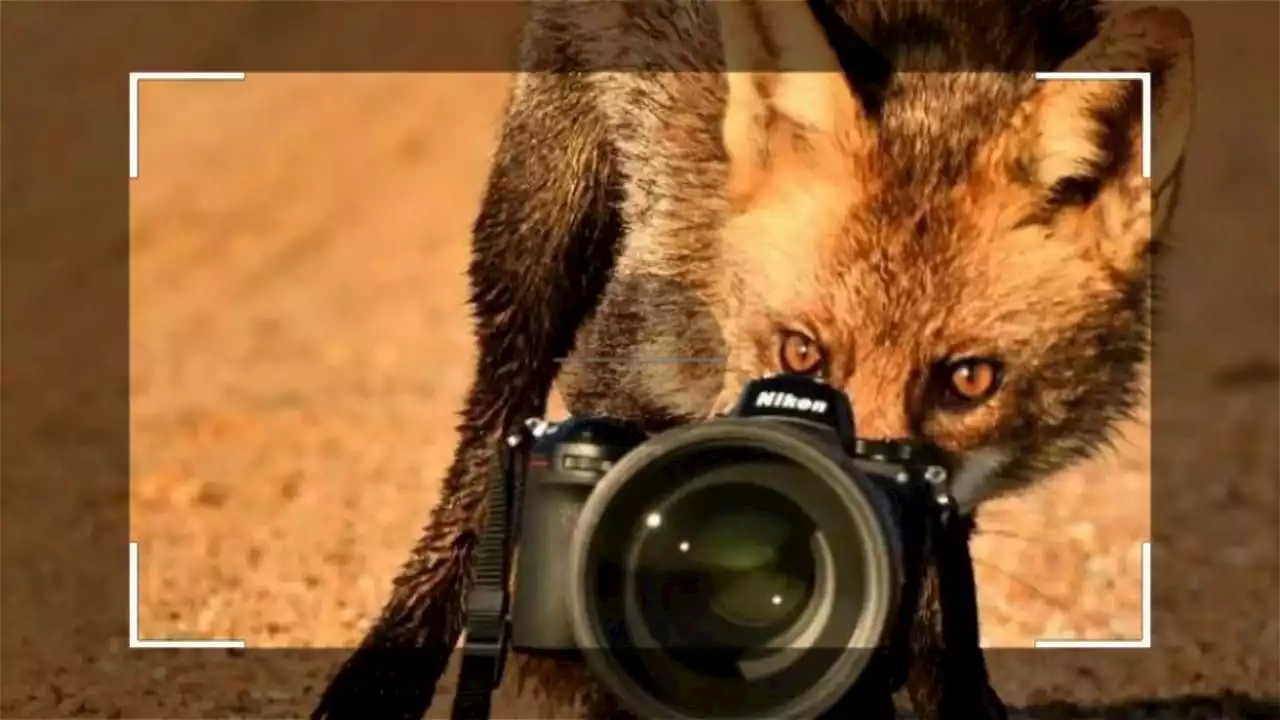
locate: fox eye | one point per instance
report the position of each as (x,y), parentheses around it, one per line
(800,354)
(969,381)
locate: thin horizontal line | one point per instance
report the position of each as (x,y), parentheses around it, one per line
(644,360)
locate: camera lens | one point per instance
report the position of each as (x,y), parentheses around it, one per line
(738,568)
(732,566)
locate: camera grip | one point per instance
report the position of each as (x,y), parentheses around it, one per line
(540,618)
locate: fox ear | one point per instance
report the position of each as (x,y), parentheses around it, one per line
(786,89)
(1090,130)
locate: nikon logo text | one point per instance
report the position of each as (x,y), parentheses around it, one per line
(787,401)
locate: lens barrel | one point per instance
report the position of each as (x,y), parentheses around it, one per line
(740,568)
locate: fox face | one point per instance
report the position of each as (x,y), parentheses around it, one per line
(968,257)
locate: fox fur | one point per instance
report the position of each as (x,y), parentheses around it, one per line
(890,178)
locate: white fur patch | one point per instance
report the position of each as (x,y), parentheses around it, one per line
(974,480)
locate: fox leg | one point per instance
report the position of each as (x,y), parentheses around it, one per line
(543,251)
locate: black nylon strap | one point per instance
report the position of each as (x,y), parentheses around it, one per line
(484,652)
(967,686)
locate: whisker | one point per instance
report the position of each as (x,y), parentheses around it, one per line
(1011,535)
(1005,533)
(1065,605)
(1058,603)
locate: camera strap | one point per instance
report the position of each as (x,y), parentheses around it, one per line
(967,686)
(915,532)
(935,532)
(484,652)
(919,522)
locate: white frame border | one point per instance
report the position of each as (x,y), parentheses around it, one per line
(137,643)
(1144,642)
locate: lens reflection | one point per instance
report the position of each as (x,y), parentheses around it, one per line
(729,567)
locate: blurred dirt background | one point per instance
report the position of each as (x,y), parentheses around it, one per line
(300,346)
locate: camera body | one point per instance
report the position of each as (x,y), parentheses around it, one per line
(798,523)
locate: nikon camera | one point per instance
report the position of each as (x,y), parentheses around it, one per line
(747,566)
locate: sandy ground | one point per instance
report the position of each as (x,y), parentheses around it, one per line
(299,349)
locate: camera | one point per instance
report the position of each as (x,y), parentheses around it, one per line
(753,565)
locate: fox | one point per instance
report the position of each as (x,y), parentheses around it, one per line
(882,193)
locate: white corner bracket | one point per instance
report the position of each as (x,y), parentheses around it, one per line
(137,77)
(1144,77)
(1142,643)
(137,643)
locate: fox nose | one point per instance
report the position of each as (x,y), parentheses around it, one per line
(880,409)
(882,426)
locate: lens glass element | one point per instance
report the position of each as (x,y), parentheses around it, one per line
(726,578)
(728,566)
